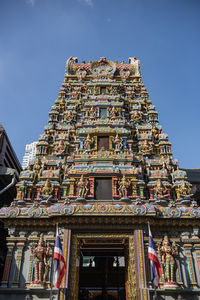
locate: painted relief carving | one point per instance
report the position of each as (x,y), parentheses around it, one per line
(167,252)
(123,187)
(41,254)
(82,185)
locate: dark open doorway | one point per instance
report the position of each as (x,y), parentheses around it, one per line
(102,143)
(103,189)
(102,273)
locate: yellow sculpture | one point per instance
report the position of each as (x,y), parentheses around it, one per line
(87,142)
(183,190)
(123,186)
(146,147)
(47,189)
(82,187)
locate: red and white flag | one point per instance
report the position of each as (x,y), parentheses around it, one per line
(59,261)
(155,267)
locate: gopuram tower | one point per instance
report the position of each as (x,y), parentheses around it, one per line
(104,169)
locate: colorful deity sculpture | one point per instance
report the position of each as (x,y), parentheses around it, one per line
(160,191)
(82,187)
(146,147)
(41,255)
(60,147)
(184,190)
(136,116)
(92,112)
(22,189)
(36,169)
(123,187)
(47,190)
(87,143)
(167,253)
(117,141)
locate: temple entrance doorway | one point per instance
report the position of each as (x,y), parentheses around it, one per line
(102,269)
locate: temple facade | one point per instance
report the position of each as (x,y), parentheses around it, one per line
(103,170)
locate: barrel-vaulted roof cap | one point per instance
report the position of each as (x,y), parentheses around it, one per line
(73,67)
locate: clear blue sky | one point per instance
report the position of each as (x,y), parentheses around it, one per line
(37,36)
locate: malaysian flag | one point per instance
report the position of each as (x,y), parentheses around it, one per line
(59,261)
(155,267)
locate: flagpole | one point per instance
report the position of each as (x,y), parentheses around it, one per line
(148,226)
(155,293)
(155,267)
(57,233)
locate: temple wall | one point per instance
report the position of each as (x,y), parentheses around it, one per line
(187,261)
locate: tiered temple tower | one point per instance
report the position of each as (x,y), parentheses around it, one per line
(104,169)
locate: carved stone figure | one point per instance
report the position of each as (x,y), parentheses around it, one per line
(82,187)
(22,189)
(69,116)
(84,88)
(184,190)
(155,133)
(47,189)
(87,143)
(123,186)
(47,262)
(136,116)
(92,112)
(36,169)
(146,147)
(160,191)
(112,112)
(60,147)
(41,253)
(117,141)
(167,253)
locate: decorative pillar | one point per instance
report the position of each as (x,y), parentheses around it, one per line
(151,194)
(197,252)
(38,193)
(190,265)
(65,188)
(91,187)
(178,272)
(131,274)
(8,262)
(124,142)
(72,290)
(143,289)
(168,194)
(114,187)
(16,277)
(134,187)
(71,187)
(81,143)
(29,279)
(66,247)
(56,193)
(141,187)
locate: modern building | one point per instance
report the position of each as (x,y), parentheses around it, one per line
(9,174)
(9,168)
(29,155)
(103,170)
